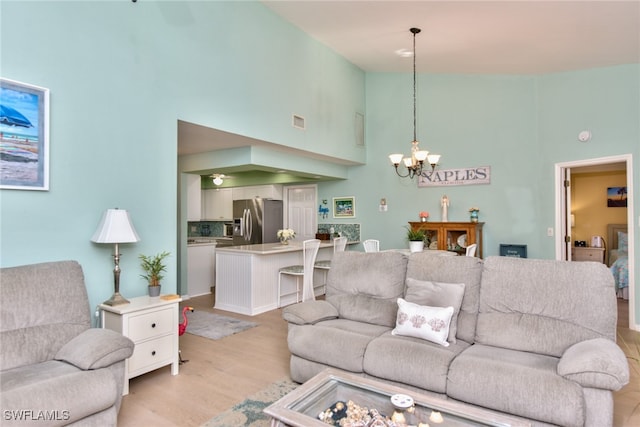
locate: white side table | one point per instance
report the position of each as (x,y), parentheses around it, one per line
(152,324)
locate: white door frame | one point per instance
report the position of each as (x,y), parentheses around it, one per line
(560,220)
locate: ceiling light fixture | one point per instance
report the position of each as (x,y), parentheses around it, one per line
(415,163)
(217,178)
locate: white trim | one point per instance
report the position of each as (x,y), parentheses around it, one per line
(559,243)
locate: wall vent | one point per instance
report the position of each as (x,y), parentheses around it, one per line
(298,122)
(359,129)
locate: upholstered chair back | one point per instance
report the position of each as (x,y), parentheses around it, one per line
(42,307)
(544,306)
(365,286)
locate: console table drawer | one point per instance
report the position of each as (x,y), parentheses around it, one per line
(150,353)
(150,325)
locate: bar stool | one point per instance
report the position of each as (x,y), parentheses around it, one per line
(309,253)
(339,245)
(371,245)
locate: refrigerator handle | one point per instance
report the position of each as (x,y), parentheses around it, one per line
(242,225)
(249,225)
(245,215)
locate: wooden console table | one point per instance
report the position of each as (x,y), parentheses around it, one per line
(451,236)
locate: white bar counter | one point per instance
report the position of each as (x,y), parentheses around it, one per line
(247,275)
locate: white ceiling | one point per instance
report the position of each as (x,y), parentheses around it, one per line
(475,36)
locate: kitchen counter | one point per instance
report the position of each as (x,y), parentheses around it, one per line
(247,275)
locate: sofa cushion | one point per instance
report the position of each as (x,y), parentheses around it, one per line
(364,286)
(544,306)
(437,294)
(57,386)
(516,382)
(411,361)
(452,269)
(340,342)
(424,322)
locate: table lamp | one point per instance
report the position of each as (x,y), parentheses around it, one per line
(115,227)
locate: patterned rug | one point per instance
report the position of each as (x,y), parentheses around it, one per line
(215,326)
(248,413)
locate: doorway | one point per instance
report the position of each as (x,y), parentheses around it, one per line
(564,241)
(300,210)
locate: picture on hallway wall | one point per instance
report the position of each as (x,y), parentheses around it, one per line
(617,197)
(344,207)
(24,136)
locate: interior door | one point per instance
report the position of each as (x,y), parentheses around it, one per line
(300,211)
(566,214)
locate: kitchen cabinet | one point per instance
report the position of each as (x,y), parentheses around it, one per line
(587,254)
(451,236)
(273,192)
(217,204)
(152,324)
(194,197)
(201,268)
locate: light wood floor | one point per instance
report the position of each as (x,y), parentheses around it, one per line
(222,373)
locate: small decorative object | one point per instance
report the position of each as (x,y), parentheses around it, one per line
(473,214)
(444,202)
(416,239)
(153,266)
(424,216)
(285,235)
(436,417)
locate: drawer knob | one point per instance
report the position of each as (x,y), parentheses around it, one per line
(153,353)
(153,325)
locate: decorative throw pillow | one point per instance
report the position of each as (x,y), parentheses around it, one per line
(437,294)
(427,323)
(623,242)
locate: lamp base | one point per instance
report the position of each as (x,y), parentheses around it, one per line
(116,299)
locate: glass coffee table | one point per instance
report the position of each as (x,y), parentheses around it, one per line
(319,395)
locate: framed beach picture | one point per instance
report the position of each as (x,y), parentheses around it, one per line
(24,136)
(344,207)
(617,197)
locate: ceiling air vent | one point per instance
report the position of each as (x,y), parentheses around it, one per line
(298,122)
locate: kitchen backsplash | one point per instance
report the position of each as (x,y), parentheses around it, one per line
(350,231)
(205,228)
(215,229)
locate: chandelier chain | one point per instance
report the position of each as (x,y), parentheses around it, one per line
(414,86)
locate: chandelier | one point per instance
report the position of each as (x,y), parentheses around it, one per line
(415,162)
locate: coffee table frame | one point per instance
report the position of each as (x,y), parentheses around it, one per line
(365,390)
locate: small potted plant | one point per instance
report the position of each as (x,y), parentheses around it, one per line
(153,266)
(424,216)
(416,239)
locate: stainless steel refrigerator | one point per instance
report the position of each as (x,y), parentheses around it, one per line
(256,221)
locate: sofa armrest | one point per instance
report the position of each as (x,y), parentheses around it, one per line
(309,312)
(596,363)
(95,348)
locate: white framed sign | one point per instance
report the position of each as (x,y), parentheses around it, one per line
(449,177)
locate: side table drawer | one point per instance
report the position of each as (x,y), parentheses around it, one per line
(150,325)
(150,353)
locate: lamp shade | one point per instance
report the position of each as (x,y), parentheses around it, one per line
(115,227)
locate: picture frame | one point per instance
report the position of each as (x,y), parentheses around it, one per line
(616,197)
(344,207)
(24,136)
(514,251)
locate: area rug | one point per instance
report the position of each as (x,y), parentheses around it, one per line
(248,413)
(215,326)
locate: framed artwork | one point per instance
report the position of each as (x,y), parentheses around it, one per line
(515,251)
(617,197)
(344,207)
(24,136)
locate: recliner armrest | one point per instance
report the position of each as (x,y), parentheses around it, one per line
(596,363)
(309,312)
(96,348)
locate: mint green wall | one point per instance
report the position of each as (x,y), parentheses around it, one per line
(520,126)
(121,74)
